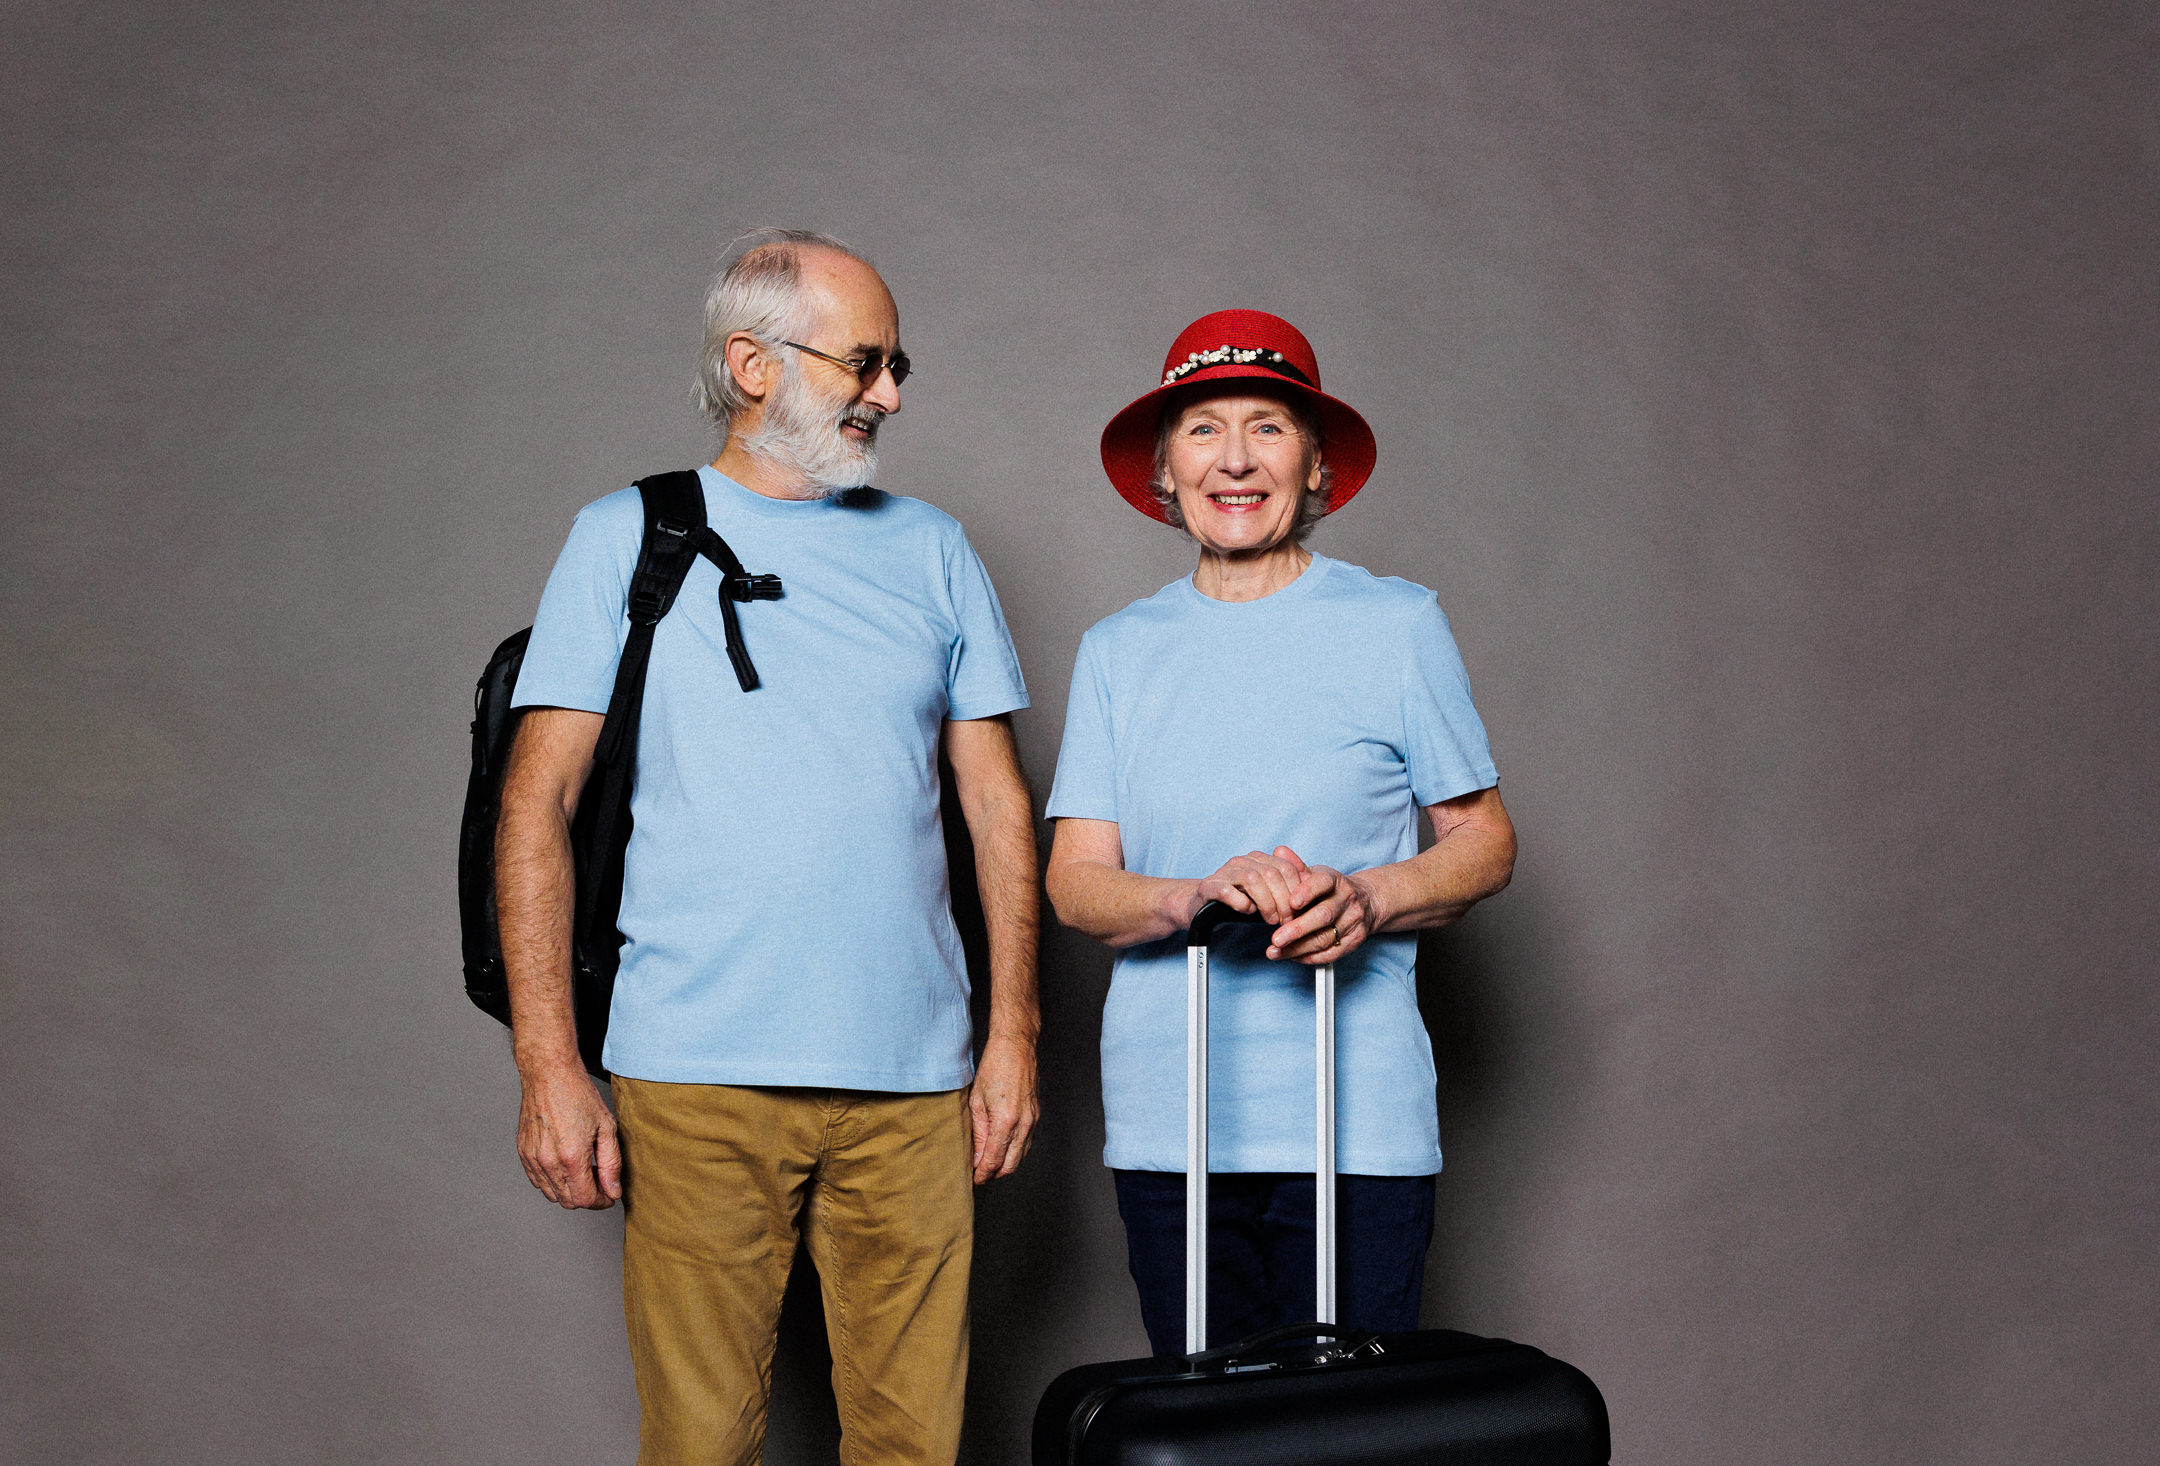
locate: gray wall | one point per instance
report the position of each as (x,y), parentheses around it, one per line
(1766,390)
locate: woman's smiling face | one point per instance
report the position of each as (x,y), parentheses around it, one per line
(1241,465)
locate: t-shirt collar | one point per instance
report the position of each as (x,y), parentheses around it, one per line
(1296,590)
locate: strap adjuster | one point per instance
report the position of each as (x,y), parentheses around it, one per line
(747,587)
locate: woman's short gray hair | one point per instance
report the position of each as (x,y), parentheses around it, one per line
(758,291)
(1311,509)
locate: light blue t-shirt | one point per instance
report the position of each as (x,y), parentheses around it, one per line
(1322,717)
(785,906)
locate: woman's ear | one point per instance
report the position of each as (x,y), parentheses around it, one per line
(1312,472)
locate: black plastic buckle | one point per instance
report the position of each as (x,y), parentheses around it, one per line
(752,588)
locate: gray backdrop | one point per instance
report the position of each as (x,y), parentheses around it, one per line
(1766,390)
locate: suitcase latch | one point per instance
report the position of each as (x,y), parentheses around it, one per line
(1370,1349)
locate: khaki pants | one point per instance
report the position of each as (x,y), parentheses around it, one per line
(717,1180)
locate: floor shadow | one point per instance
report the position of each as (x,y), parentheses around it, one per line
(1512,1054)
(1461,995)
(1047,1238)
(804,1426)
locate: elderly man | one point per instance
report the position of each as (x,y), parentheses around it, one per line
(790,1037)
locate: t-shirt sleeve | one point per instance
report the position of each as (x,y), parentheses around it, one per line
(1086,784)
(982,677)
(578,634)
(1444,743)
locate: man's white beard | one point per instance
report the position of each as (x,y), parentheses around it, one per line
(800,433)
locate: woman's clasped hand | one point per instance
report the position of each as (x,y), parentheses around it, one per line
(1319,913)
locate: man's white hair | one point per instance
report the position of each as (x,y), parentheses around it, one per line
(758,291)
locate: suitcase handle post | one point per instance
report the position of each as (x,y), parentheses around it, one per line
(1201,935)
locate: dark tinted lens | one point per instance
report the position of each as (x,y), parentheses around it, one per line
(901,366)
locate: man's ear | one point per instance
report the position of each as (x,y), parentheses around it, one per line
(750,364)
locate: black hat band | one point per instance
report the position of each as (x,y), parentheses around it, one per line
(1259,356)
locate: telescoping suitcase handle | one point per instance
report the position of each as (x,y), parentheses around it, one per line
(1206,921)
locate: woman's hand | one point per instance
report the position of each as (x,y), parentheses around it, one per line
(1335,913)
(1319,914)
(1255,883)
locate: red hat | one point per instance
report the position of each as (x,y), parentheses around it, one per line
(1221,347)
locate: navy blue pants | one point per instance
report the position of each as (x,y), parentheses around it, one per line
(1260,1251)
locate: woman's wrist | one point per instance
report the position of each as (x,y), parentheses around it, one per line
(1378,910)
(1180,901)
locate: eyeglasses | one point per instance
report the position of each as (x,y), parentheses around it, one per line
(866,367)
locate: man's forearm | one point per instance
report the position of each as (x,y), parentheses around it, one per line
(566,1137)
(1005,869)
(993,794)
(1002,1102)
(535,896)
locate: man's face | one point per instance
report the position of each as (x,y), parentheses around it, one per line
(821,418)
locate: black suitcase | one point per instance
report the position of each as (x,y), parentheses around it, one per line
(1312,1394)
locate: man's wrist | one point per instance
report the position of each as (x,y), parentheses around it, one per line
(538,1058)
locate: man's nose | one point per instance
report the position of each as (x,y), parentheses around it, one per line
(882,392)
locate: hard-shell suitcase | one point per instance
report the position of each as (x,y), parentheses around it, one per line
(1312,1394)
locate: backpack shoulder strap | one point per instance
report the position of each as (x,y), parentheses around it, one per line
(674,516)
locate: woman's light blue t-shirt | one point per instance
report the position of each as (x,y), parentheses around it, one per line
(785,901)
(1322,717)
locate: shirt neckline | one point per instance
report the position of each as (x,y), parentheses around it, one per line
(719,487)
(1295,590)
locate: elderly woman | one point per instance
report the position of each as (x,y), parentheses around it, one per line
(1263,733)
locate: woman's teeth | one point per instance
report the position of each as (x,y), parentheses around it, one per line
(1234,500)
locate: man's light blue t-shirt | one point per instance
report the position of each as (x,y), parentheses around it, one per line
(784,896)
(1322,717)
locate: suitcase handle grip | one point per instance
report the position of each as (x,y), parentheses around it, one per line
(1227,1356)
(1215,914)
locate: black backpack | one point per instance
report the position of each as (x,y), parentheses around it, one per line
(675,535)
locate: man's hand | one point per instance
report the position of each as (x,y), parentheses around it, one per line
(1002,1107)
(566,1139)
